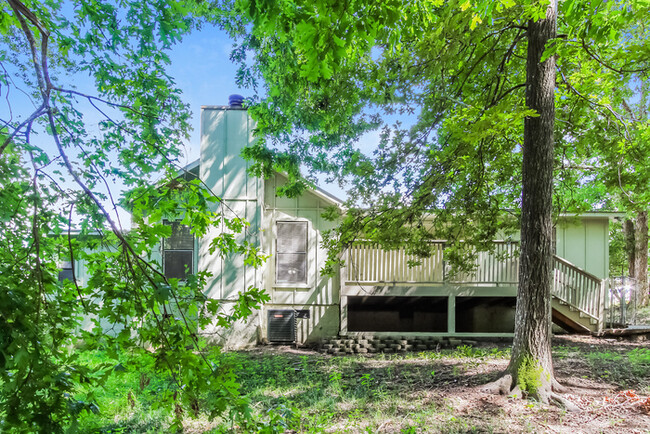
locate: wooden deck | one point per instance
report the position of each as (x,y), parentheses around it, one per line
(579,296)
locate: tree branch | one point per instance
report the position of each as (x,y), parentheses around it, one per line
(21,13)
(91,97)
(621,71)
(39,112)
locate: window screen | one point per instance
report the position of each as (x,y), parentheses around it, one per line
(291,253)
(178,252)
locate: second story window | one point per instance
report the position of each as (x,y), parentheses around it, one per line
(178,251)
(291,253)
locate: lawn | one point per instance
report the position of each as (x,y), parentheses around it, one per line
(433,391)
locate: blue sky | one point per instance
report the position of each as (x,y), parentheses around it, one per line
(202,69)
(204,72)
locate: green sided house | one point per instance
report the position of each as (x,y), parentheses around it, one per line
(375,293)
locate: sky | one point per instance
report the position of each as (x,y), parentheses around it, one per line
(204,72)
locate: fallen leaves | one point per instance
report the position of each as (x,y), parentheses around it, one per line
(627,399)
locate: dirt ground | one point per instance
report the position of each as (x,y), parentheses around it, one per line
(608,379)
(611,398)
(606,405)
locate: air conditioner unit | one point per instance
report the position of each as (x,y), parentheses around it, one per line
(282,325)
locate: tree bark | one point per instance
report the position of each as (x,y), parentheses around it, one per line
(641,257)
(532,341)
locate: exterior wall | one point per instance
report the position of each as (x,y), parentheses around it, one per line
(584,241)
(321,293)
(225,132)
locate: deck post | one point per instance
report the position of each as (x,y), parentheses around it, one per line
(451,314)
(343,312)
(601,305)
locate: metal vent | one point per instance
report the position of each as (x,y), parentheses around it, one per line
(282,325)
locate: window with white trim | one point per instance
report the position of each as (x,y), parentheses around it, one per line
(291,253)
(178,251)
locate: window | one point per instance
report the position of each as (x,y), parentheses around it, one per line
(291,253)
(178,252)
(66,272)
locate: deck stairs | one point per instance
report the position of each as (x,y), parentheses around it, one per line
(578,298)
(572,318)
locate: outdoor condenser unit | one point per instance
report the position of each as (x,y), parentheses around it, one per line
(282,325)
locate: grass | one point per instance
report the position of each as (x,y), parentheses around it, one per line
(629,369)
(127,403)
(409,393)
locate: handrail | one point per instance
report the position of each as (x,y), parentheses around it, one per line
(579,288)
(367,263)
(578,269)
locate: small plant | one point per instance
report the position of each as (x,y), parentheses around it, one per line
(367,380)
(389,372)
(335,377)
(640,359)
(466,351)
(335,382)
(529,375)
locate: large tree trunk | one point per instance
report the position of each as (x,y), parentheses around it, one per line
(531,365)
(532,343)
(640,271)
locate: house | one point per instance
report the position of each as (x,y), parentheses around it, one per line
(375,292)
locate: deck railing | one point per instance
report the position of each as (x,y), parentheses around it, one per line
(578,288)
(367,263)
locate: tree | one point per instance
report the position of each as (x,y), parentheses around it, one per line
(603,95)
(333,71)
(60,178)
(531,365)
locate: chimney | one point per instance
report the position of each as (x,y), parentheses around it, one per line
(236,101)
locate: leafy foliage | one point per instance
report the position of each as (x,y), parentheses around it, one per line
(441,84)
(59,177)
(529,375)
(462,95)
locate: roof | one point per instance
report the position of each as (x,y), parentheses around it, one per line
(321,193)
(595,214)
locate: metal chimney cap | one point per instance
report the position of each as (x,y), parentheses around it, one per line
(236,101)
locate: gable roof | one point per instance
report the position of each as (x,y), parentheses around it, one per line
(193,168)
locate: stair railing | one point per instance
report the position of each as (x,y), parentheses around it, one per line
(579,288)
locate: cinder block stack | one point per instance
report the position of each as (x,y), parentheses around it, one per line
(364,344)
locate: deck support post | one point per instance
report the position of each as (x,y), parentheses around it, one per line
(451,314)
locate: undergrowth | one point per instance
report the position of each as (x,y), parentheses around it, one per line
(529,375)
(316,393)
(628,369)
